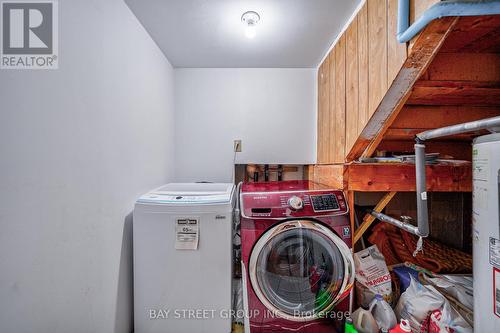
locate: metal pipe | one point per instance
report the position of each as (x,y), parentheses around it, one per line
(400,224)
(441,9)
(422,229)
(460,128)
(421,188)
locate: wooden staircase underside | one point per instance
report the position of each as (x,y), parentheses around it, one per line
(451,75)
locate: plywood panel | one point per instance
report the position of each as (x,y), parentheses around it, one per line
(340,79)
(377,48)
(396,51)
(363,113)
(352,88)
(323,112)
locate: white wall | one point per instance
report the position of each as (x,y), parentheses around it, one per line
(273,111)
(77,146)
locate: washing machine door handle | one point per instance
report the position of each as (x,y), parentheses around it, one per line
(300,269)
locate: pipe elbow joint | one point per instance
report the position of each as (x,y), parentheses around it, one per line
(422,234)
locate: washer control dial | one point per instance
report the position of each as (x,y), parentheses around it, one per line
(295,203)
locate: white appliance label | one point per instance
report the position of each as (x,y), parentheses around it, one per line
(495,252)
(481,164)
(187,233)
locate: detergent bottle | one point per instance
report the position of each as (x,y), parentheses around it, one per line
(349,326)
(364,322)
(403,327)
(383,313)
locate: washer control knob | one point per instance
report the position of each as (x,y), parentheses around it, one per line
(295,203)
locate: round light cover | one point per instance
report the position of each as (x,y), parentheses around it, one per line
(250,20)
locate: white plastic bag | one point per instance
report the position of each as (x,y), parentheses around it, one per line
(372,276)
(457,286)
(417,303)
(448,320)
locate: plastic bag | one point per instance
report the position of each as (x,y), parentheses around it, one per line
(458,286)
(403,273)
(417,303)
(372,276)
(448,320)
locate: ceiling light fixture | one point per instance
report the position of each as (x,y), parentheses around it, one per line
(250,20)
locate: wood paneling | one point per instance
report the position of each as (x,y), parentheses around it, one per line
(352,85)
(425,49)
(339,111)
(377,48)
(396,51)
(323,112)
(363,113)
(371,77)
(330,175)
(417,8)
(331,110)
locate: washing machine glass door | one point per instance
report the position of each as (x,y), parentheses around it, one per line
(300,269)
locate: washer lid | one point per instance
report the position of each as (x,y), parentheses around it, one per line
(190,194)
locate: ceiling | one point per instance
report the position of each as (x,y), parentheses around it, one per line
(209,33)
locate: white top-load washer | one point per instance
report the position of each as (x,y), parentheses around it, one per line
(183,258)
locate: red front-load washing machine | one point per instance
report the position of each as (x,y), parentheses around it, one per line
(298,269)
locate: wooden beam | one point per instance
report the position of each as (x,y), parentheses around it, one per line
(460,150)
(455,93)
(423,52)
(400,177)
(409,134)
(368,219)
(440,116)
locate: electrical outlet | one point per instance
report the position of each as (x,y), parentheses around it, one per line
(237,146)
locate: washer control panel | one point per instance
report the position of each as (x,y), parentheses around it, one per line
(293,204)
(324,202)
